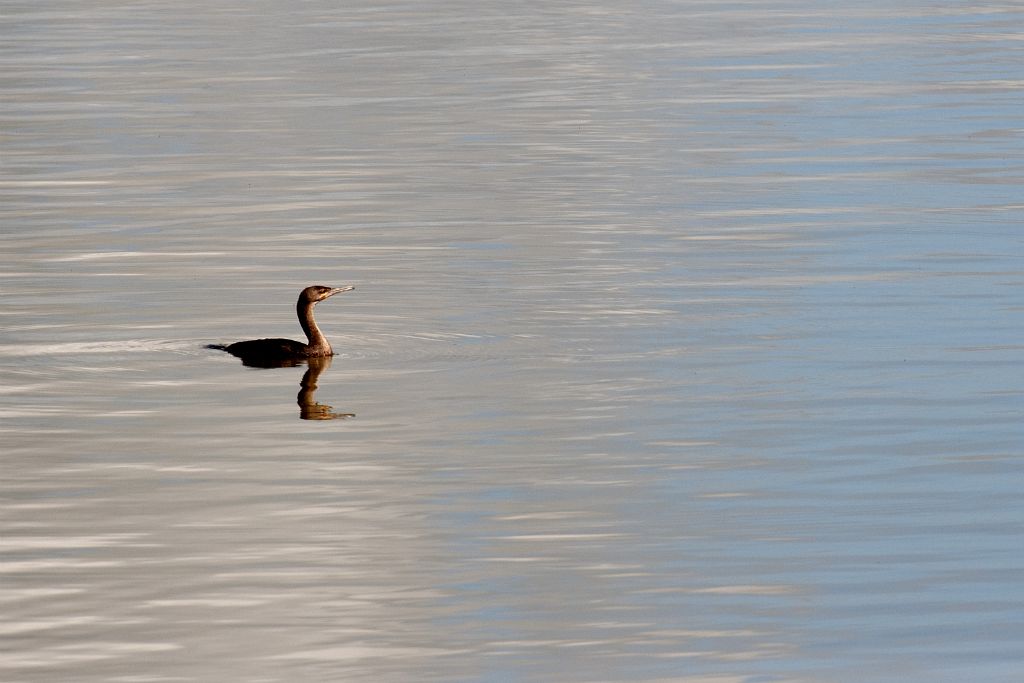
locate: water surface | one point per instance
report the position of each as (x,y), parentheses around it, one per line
(686,342)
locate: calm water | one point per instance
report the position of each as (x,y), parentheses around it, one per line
(686,344)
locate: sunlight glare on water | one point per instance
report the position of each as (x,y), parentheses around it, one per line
(685,343)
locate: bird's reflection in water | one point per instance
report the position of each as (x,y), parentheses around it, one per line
(309,409)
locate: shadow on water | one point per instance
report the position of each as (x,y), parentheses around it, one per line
(309,409)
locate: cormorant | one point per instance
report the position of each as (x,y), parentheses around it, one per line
(278,352)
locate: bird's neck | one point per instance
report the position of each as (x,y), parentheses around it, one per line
(318,344)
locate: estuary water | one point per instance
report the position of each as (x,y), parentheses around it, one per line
(686,342)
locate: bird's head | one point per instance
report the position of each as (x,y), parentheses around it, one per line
(318,293)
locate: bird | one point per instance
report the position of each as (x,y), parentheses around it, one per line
(281,352)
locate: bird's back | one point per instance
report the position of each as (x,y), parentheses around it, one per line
(268,350)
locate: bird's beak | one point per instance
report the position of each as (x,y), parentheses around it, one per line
(339,290)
